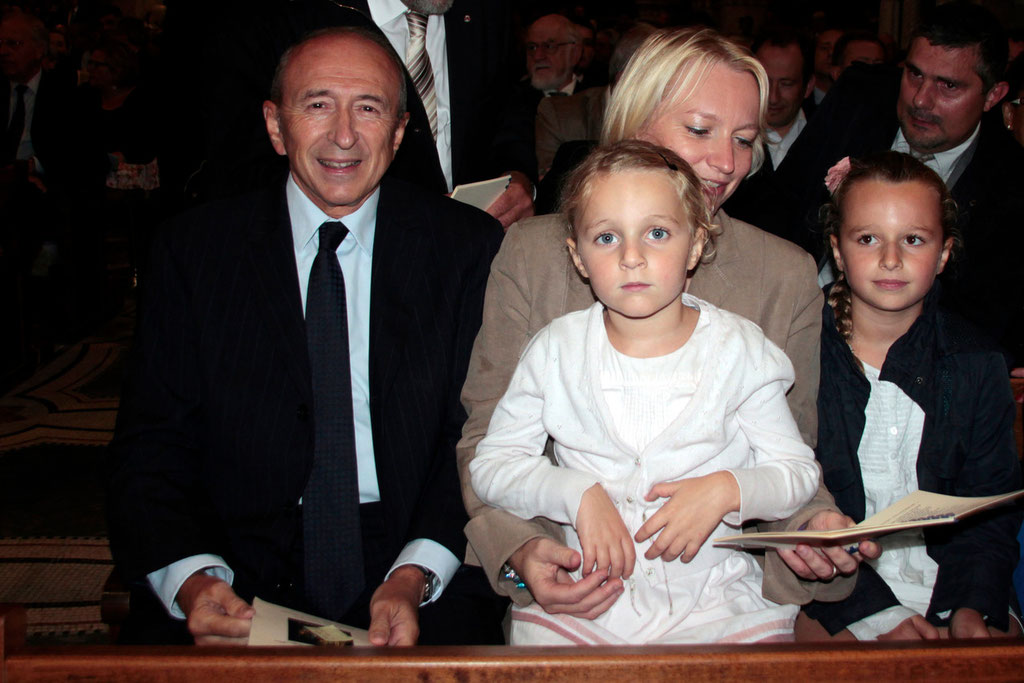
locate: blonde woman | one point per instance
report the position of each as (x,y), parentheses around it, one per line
(703,97)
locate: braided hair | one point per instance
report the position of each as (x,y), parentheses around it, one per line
(888,167)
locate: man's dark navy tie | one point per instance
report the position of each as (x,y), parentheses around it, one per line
(16,127)
(332,539)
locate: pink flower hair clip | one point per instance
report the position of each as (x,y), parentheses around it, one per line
(837,174)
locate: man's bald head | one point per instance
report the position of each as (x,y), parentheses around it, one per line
(552,50)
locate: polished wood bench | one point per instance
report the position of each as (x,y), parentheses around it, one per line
(988,660)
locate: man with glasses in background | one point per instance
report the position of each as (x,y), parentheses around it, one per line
(552,46)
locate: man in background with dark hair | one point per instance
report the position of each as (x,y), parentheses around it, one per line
(788,60)
(786,57)
(824,42)
(933,110)
(854,47)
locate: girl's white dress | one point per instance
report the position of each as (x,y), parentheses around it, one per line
(717,403)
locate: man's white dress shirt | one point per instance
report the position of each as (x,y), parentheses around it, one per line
(778,145)
(942,163)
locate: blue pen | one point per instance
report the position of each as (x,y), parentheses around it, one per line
(852,549)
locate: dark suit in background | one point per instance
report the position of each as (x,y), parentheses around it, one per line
(214,441)
(61,128)
(46,299)
(982,282)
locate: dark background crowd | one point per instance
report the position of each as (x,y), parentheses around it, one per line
(138,110)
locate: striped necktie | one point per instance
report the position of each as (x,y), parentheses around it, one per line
(418,63)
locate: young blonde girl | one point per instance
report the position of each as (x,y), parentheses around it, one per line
(668,417)
(911,396)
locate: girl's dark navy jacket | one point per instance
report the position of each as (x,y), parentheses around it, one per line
(959,379)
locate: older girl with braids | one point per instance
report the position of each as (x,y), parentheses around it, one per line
(911,396)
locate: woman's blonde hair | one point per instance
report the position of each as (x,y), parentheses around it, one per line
(637,155)
(669,66)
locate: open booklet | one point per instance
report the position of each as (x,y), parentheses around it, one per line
(481,194)
(276,625)
(919,509)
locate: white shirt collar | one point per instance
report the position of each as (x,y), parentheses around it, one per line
(944,162)
(385,11)
(306,218)
(32,83)
(778,145)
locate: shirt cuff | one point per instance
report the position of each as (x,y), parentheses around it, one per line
(881,622)
(735,518)
(167,582)
(430,555)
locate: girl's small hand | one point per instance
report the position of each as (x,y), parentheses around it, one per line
(695,507)
(968,623)
(603,535)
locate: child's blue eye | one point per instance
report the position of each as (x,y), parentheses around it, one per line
(658,234)
(606,238)
(914,240)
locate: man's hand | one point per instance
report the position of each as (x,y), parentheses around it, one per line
(603,535)
(216,616)
(968,623)
(914,628)
(545,565)
(515,203)
(394,608)
(828,561)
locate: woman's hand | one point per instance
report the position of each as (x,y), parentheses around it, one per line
(603,535)
(827,562)
(912,628)
(695,507)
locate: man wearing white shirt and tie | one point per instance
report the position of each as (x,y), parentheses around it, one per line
(288,427)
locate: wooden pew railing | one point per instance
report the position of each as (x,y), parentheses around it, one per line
(988,660)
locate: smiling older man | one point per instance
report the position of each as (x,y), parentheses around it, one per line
(288,428)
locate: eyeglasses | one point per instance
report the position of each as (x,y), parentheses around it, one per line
(548,45)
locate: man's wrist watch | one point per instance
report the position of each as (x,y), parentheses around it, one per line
(431,583)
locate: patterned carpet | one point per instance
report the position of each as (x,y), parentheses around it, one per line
(54,556)
(59,580)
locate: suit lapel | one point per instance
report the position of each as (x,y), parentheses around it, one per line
(272,255)
(395,265)
(5,87)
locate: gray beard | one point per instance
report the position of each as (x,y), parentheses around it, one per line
(429,6)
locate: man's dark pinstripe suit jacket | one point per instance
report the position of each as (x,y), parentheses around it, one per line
(214,440)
